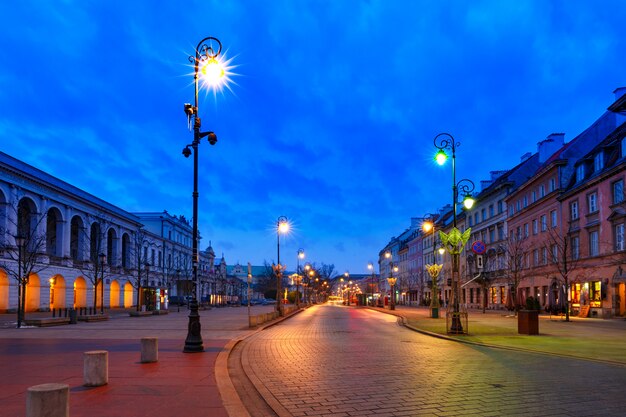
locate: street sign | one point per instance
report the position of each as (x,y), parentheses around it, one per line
(478,247)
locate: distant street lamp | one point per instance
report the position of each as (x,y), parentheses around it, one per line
(392,281)
(208,65)
(442,142)
(347,275)
(20,241)
(371,267)
(102,258)
(300,256)
(282,226)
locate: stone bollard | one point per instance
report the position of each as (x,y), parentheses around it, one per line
(48,400)
(149,349)
(96,368)
(251,321)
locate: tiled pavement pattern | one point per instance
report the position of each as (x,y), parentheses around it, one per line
(337,361)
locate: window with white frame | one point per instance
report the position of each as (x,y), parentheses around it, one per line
(594,244)
(552,185)
(592,202)
(535,227)
(598,162)
(536,257)
(500,206)
(525,201)
(580,172)
(544,223)
(542,191)
(525,229)
(618,191)
(575,247)
(533,196)
(619,237)
(544,255)
(553,218)
(573,210)
(555,253)
(491,210)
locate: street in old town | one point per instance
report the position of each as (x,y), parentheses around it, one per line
(337,361)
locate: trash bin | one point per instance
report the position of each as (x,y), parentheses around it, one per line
(73,318)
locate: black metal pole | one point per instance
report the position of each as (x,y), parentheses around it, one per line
(19,286)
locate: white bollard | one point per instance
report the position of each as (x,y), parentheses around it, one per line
(96,368)
(149,349)
(48,400)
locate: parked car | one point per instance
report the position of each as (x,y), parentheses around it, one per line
(268,301)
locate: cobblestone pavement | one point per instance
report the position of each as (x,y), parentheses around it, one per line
(340,361)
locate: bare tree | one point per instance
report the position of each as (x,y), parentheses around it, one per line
(94,244)
(515,249)
(139,248)
(563,256)
(28,251)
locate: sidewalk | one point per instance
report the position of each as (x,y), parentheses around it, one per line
(583,338)
(178,384)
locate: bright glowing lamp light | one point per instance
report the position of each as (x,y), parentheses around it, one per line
(427,226)
(283,227)
(441,157)
(468,202)
(213,72)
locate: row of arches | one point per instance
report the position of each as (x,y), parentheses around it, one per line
(59,293)
(86,240)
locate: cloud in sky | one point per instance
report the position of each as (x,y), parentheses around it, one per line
(332,117)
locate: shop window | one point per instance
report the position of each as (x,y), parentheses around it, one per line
(595,293)
(493,295)
(502,292)
(575,291)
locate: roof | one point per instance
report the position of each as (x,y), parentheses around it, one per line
(30,173)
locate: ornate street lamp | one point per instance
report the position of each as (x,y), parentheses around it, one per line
(206,64)
(442,142)
(371,267)
(102,258)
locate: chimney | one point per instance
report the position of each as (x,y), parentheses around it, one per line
(550,145)
(526,156)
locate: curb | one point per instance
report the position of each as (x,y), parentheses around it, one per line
(230,398)
(488,345)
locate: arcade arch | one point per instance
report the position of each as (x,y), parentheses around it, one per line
(80,292)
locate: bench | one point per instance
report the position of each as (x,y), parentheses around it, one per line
(47,321)
(93,317)
(140,313)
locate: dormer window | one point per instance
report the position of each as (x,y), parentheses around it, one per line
(598,162)
(580,172)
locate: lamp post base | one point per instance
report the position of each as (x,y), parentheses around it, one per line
(193,342)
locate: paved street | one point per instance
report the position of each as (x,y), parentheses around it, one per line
(338,361)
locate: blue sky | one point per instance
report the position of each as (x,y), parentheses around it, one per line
(332,117)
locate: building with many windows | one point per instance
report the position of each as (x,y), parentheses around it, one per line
(65,242)
(553,226)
